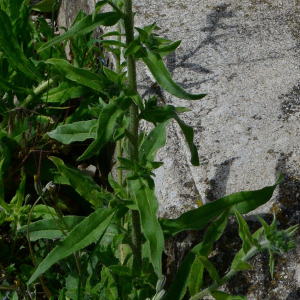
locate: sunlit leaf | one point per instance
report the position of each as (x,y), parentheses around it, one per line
(147,205)
(75,132)
(197,219)
(87,232)
(163,77)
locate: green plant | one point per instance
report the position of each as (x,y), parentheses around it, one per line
(118,243)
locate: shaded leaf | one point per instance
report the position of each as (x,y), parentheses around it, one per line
(106,125)
(15,55)
(86,25)
(45,6)
(79,75)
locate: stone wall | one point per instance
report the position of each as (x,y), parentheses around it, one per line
(245,56)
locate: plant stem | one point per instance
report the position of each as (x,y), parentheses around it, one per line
(133,127)
(254,250)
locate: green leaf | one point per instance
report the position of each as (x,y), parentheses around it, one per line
(120,270)
(197,219)
(223,296)
(48,228)
(15,55)
(245,234)
(154,113)
(63,93)
(19,197)
(107,122)
(271,263)
(83,184)
(3,204)
(242,265)
(87,232)
(78,75)
(45,6)
(163,77)
(75,132)
(239,256)
(196,277)
(147,205)
(154,140)
(7,86)
(209,267)
(216,229)
(85,26)
(166,50)
(134,47)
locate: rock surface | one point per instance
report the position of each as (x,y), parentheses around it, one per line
(245,56)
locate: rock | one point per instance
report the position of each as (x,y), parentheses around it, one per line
(245,56)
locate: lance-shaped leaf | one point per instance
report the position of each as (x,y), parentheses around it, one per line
(63,93)
(184,277)
(45,6)
(197,219)
(154,140)
(107,122)
(48,228)
(85,26)
(154,113)
(147,205)
(196,277)
(13,51)
(75,132)
(159,71)
(244,232)
(210,268)
(87,232)
(223,296)
(83,184)
(7,86)
(79,75)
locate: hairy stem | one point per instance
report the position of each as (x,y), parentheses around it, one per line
(133,126)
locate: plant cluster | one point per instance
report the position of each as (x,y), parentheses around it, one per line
(53,105)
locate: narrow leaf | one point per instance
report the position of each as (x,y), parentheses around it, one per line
(196,277)
(87,232)
(75,132)
(223,296)
(147,205)
(210,268)
(16,56)
(197,219)
(245,234)
(163,77)
(83,184)
(86,25)
(79,75)
(154,140)
(45,6)
(63,93)
(48,228)
(106,125)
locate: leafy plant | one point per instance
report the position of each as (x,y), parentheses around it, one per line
(113,250)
